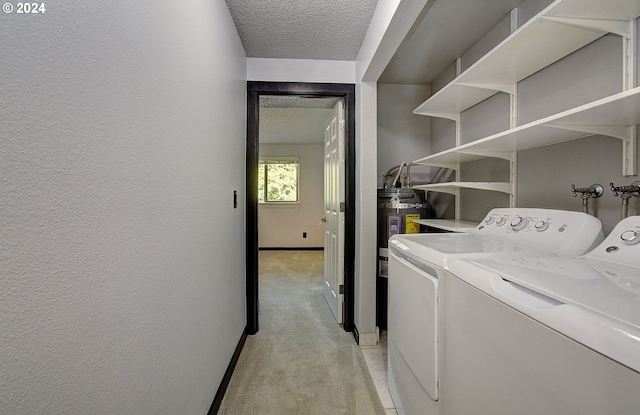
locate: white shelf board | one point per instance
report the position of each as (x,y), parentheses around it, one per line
(551,35)
(534,46)
(452,99)
(609,116)
(452,225)
(619,110)
(595,9)
(454,187)
(448,158)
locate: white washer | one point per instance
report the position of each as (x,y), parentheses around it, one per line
(417,263)
(546,335)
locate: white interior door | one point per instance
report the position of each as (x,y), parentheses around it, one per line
(334,210)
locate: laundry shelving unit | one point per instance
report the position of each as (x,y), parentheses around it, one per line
(560,29)
(557,31)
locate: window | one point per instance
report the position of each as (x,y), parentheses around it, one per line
(278,180)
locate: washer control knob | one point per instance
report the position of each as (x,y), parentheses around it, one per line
(518,223)
(501,221)
(630,237)
(542,226)
(489,220)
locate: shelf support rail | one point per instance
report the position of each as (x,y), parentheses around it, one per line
(629,79)
(513,171)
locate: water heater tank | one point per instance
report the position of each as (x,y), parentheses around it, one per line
(397,210)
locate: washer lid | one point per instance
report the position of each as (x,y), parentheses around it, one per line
(439,248)
(594,302)
(603,287)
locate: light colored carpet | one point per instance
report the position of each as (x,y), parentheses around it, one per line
(301,361)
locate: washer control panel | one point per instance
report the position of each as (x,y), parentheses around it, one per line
(622,245)
(519,222)
(571,233)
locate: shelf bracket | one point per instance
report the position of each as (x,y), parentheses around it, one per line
(618,27)
(628,135)
(508,88)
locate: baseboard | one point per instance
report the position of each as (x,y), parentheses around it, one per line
(217,401)
(303,248)
(368,339)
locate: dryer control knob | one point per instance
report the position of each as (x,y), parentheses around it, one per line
(501,221)
(489,220)
(630,237)
(542,226)
(518,223)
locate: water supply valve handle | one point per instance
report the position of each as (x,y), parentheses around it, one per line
(595,190)
(633,189)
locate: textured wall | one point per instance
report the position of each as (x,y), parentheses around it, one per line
(402,135)
(300,70)
(121,256)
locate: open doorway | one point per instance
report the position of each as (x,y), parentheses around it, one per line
(261,90)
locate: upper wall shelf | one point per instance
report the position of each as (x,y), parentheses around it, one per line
(560,29)
(614,116)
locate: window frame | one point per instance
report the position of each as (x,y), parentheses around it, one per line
(277,160)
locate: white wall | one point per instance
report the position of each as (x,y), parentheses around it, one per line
(300,70)
(281,226)
(121,255)
(402,135)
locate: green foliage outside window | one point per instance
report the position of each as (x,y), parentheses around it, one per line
(277,181)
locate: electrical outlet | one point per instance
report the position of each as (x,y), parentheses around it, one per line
(304,234)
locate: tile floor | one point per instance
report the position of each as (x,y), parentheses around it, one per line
(376,359)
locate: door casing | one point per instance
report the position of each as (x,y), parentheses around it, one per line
(309,90)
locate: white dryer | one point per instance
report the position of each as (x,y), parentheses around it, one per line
(417,264)
(546,335)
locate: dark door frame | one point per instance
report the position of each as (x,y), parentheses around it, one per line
(308,90)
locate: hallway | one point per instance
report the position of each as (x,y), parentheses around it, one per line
(301,361)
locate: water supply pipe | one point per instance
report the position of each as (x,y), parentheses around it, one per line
(625,194)
(595,191)
(395,181)
(387,174)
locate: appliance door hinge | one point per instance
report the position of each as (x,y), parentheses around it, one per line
(342,207)
(341,289)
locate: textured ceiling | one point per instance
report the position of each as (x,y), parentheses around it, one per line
(299,29)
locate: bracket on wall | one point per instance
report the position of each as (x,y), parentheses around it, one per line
(628,135)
